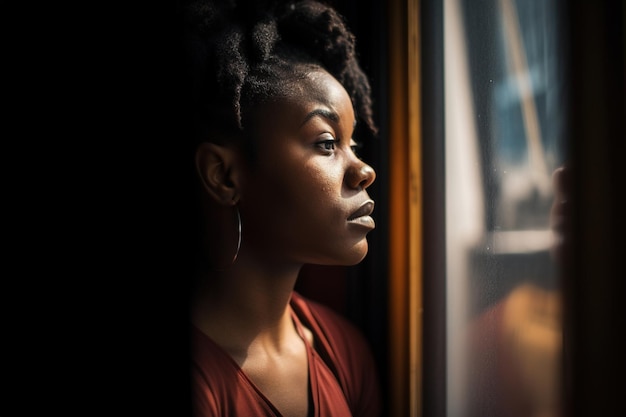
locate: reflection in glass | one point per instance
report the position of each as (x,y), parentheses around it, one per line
(504,121)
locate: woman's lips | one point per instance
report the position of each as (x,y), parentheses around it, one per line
(361,216)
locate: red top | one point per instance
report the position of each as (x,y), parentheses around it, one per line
(342,375)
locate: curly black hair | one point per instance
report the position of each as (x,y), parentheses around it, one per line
(243,53)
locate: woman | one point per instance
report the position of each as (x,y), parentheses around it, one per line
(277,92)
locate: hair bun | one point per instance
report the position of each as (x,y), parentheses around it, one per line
(320,31)
(256,43)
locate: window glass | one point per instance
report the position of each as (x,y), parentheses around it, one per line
(504,124)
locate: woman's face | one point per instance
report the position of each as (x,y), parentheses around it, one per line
(304,200)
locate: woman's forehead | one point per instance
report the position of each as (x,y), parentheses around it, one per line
(318,89)
(314,93)
(321,86)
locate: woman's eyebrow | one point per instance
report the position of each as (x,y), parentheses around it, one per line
(325,113)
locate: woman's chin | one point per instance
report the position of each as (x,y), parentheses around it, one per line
(347,256)
(358,253)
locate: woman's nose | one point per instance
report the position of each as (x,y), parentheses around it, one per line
(361,175)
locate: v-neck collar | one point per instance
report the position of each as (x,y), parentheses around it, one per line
(313,392)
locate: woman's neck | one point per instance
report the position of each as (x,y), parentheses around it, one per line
(251,298)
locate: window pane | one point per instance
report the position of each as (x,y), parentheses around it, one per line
(504,121)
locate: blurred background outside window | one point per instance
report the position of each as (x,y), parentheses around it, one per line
(504,121)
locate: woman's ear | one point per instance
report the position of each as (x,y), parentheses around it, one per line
(218,167)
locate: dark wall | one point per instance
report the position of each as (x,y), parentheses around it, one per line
(594,289)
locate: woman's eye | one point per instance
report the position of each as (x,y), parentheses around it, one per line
(327,144)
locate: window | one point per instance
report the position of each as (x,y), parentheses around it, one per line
(504,114)
(486,99)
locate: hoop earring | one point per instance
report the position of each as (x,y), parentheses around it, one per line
(239,235)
